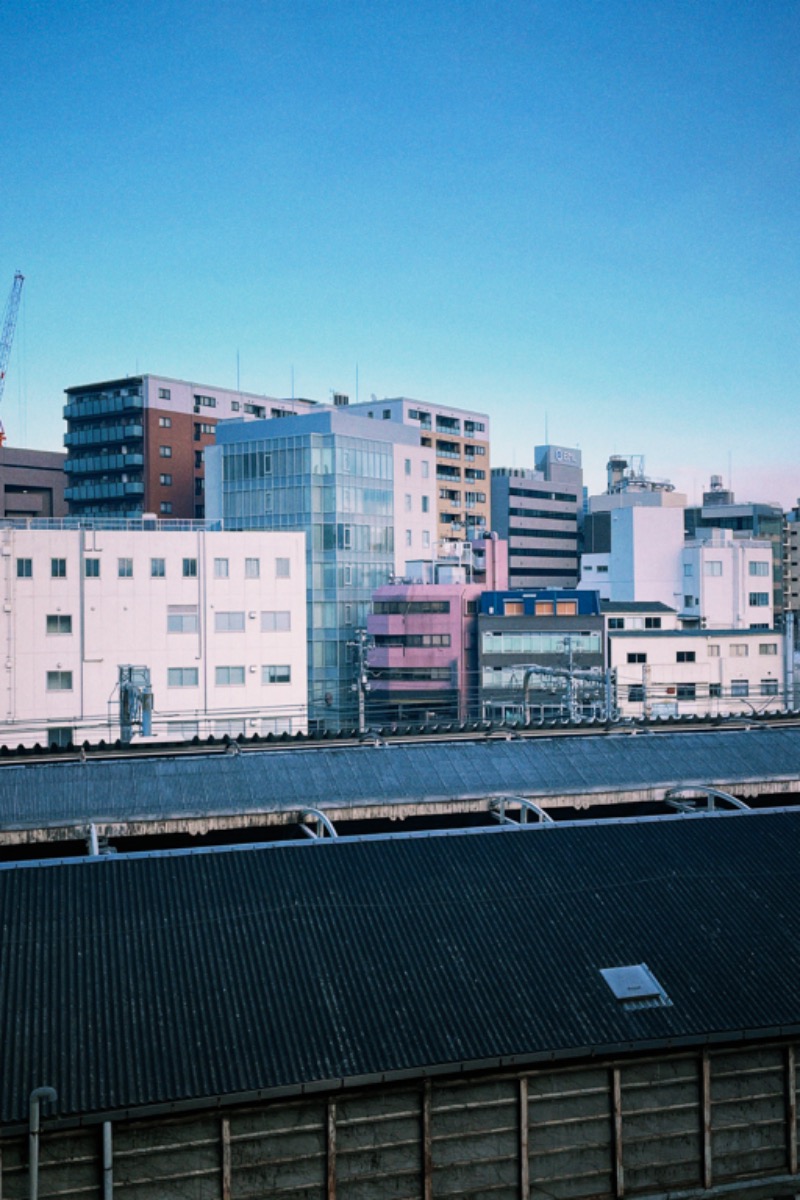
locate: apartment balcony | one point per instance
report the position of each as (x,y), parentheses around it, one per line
(448,425)
(86,493)
(87,408)
(102,464)
(104,435)
(448,474)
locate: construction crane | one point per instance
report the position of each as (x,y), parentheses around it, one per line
(7,336)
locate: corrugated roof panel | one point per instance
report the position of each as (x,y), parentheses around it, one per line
(56,793)
(138,980)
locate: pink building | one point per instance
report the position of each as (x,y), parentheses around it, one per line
(425,654)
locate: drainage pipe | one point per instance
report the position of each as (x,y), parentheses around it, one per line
(34,1113)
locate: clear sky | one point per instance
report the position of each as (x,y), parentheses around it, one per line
(579,215)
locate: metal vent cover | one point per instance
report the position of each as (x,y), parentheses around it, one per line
(635,987)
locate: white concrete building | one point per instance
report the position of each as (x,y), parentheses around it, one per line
(718,580)
(218,618)
(644,559)
(727,581)
(701,671)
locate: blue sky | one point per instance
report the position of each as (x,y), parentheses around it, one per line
(567,213)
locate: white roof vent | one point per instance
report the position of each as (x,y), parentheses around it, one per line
(635,987)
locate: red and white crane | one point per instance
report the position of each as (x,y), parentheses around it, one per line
(7,336)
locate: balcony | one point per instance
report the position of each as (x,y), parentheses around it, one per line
(86,493)
(101,464)
(104,435)
(88,408)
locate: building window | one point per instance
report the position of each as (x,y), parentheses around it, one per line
(739,650)
(740,687)
(165,480)
(229,676)
(769,687)
(182,618)
(198,460)
(276,674)
(125,568)
(60,735)
(688,601)
(636,693)
(58,568)
(408,466)
(157,568)
(165,507)
(712,567)
(758,568)
(276,622)
(408,502)
(220,568)
(652,622)
(283,568)
(616,622)
(91,568)
(205,401)
(182,677)
(426,539)
(426,468)
(234,405)
(408,537)
(59,681)
(602,570)
(164,394)
(59,623)
(165,451)
(686,691)
(190,568)
(425,504)
(759,599)
(687,570)
(685,656)
(516,608)
(637,658)
(199,485)
(165,422)
(229,622)
(768,648)
(714,690)
(252,568)
(713,651)
(24,568)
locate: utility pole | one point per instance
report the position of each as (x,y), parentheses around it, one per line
(360,646)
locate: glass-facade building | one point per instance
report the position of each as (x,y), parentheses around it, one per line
(325,475)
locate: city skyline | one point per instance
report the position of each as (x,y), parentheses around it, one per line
(581,220)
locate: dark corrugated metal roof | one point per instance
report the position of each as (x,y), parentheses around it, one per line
(57,793)
(142,980)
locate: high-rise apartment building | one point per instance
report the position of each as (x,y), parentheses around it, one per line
(363,494)
(459,439)
(536,512)
(136,445)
